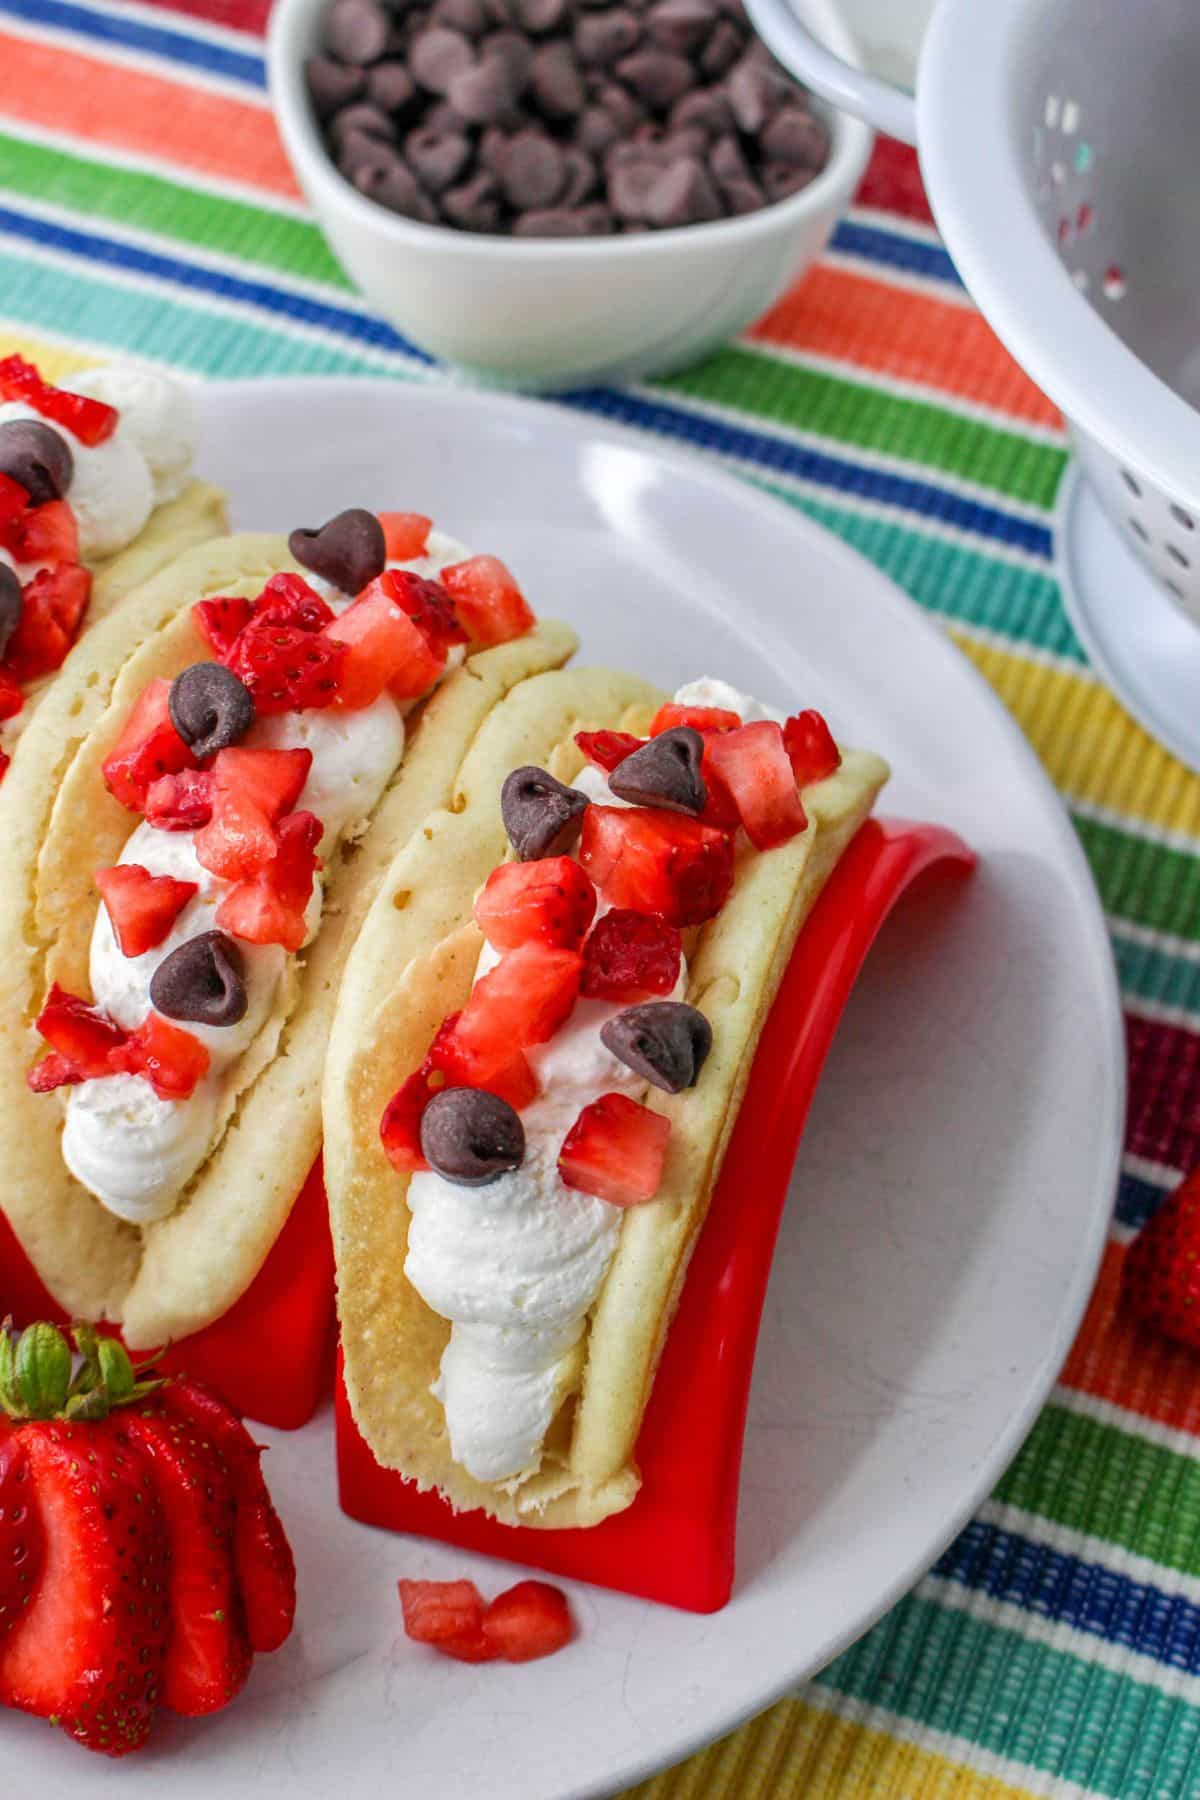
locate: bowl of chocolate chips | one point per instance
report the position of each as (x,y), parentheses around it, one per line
(551,193)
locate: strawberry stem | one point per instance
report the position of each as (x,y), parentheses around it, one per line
(41,1379)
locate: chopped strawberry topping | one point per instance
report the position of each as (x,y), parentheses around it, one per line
(5,760)
(182,802)
(487,600)
(142,907)
(522,1001)
(82,1037)
(221,621)
(148,748)
(13,501)
(400,1126)
(615,1150)
(700,718)
(657,862)
(608,749)
(287,668)
(383,646)
(453,1062)
(12,699)
(405,535)
(90,420)
(47,534)
(428,605)
(549,902)
(270,907)
(810,746)
(251,791)
(528,1621)
(53,603)
(170,1059)
(288,600)
(630,956)
(756,768)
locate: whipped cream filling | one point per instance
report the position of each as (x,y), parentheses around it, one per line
(516,1266)
(133,1150)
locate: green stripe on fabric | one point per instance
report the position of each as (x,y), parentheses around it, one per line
(1111,1484)
(152,203)
(1147,883)
(851,412)
(1052,1711)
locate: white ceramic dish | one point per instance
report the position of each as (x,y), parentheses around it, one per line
(556,313)
(948,1208)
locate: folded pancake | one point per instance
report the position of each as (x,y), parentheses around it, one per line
(166,1279)
(414,963)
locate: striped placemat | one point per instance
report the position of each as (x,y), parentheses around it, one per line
(146,206)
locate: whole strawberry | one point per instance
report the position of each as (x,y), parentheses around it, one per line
(1162,1270)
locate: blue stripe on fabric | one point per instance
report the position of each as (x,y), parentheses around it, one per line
(1138,1201)
(1067,1590)
(895,251)
(133,34)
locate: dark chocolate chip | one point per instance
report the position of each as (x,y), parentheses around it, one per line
(754,90)
(656,76)
(724,46)
(475,204)
(582,177)
(444,117)
(347,550)
(794,137)
(500,12)
(596,130)
(331,84)
(467,16)
(600,38)
(210,708)
(665,1041)
(708,108)
(549,221)
(204,982)
(470,1136)
(680,24)
(365,120)
(664,772)
(691,142)
(516,54)
(10,605)
(535,172)
(391,88)
(396,187)
(727,160)
(493,151)
(556,82)
(781,181)
(437,157)
(38,457)
(625,112)
(539,16)
(437,56)
(541,816)
(596,219)
(629,186)
(485,94)
(356,31)
(743,196)
(365,161)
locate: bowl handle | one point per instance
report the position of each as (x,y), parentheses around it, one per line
(880,103)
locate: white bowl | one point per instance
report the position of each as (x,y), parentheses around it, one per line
(554,313)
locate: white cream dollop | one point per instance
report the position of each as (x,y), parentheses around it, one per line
(158,415)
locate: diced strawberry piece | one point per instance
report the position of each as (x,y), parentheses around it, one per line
(810,747)
(149,747)
(657,862)
(428,605)
(54,1071)
(221,621)
(405,535)
(630,956)
(12,699)
(527,1621)
(522,1001)
(169,1058)
(251,790)
(437,1612)
(607,749)
(548,902)
(143,907)
(13,501)
(700,718)
(90,420)
(287,669)
(488,601)
(756,768)
(5,760)
(269,908)
(400,1126)
(383,648)
(288,600)
(52,605)
(48,534)
(182,802)
(615,1150)
(459,1064)
(81,1034)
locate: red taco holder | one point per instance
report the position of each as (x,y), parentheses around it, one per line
(270,1355)
(675,1544)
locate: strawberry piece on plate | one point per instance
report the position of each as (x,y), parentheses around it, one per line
(221,622)
(810,747)
(1162,1269)
(182,802)
(383,646)
(90,420)
(169,1058)
(251,791)
(522,1001)
(269,908)
(755,767)
(608,749)
(529,1620)
(630,956)
(548,902)
(48,534)
(657,862)
(287,668)
(615,1150)
(22,1538)
(142,907)
(487,600)
(447,1615)
(81,1037)
(701,718)
(52,606)
(288,600)
(12,699)
(148,748)
(405,535)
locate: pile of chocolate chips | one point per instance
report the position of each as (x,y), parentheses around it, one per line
(561,118)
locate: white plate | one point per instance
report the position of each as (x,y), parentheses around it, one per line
(950,1199)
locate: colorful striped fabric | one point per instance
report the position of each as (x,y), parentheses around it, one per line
(146,206)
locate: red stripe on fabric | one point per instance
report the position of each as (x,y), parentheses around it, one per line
(893,182)
(238,15)
(1116,1359)
(1164,1093)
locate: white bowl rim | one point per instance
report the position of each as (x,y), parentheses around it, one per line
(850,148)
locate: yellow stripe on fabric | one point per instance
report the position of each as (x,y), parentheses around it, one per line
(800,1751)
(56,361)
(1091,749)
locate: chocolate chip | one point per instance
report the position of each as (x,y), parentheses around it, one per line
(781,182)
(709,108)
(484,94)
(437,157)
(493,151)
(535,171)
(581,178)
(204,982)
(467,16)
(516,54)
(331,84)
(38,457)
(397,188)
(656,76)
(680,24)
(347,550)
(743,197)
(10,605)
(547,222)
(629,186)
(754,93)
(475,204)
(539,16)
(665,1041)
(664,772)
(356,31)
(364,161)
(727,160)
(595,130)
(690,142)
(600,38)
(556,82)
(471,1137)
(210,708)
(596,219)
(391,88)
(625,112)
(437,56)
(724,46)
(365,120)
(794,137)
(541,816)
(444,117)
